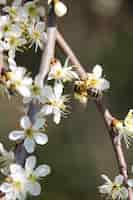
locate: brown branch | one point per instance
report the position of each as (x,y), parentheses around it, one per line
(107,117)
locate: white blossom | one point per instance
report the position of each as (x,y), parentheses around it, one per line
(114,190)
(32,9)
(36,91)
(32,133)
(14,38)
(15,187)
(95,80)
(37,35)
(17,80)
(53,102)
(23,181)
(34,175)
(125,128)
(63,73)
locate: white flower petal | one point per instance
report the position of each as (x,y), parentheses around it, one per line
(39,123)
(48,92)
(124,193)
(30,163)
(57,115)
(58,89)
(15,168)
(97,71)
(41,138)
(2,150)
(25,122)
(106,178)
(103,84)
(29,145)
(34,188)
(40,26)
(119,179)
(42,171)
(24,91)
(130,182)
(27,100)
(6,187)
(105,189)
(27,81)
(46,110)
(16,135)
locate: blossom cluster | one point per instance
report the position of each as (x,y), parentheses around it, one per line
(22,26)
(52,101)
(23,181)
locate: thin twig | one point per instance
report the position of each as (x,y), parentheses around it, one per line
(68,51)
(104,112)
(50,46)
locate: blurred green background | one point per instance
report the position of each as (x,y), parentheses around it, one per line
(79,150)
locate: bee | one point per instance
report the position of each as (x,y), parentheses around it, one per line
(84,91)
(94,93)
(80,88)
(80,91)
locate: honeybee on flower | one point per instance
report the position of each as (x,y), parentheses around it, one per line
(93,86)
(125,128)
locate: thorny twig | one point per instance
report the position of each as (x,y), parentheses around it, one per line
(106,115)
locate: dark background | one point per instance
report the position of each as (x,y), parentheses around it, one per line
(79,149)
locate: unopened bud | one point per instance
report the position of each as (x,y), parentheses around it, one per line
(60,9)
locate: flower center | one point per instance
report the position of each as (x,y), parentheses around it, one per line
(116,187)
(6,28)
(17,185)
(58,74)
(54,103)
(36,35)
(12,12)
(13,41)
(36,90)
(29,133)
(32,11)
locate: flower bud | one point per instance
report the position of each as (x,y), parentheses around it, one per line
(60,9)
